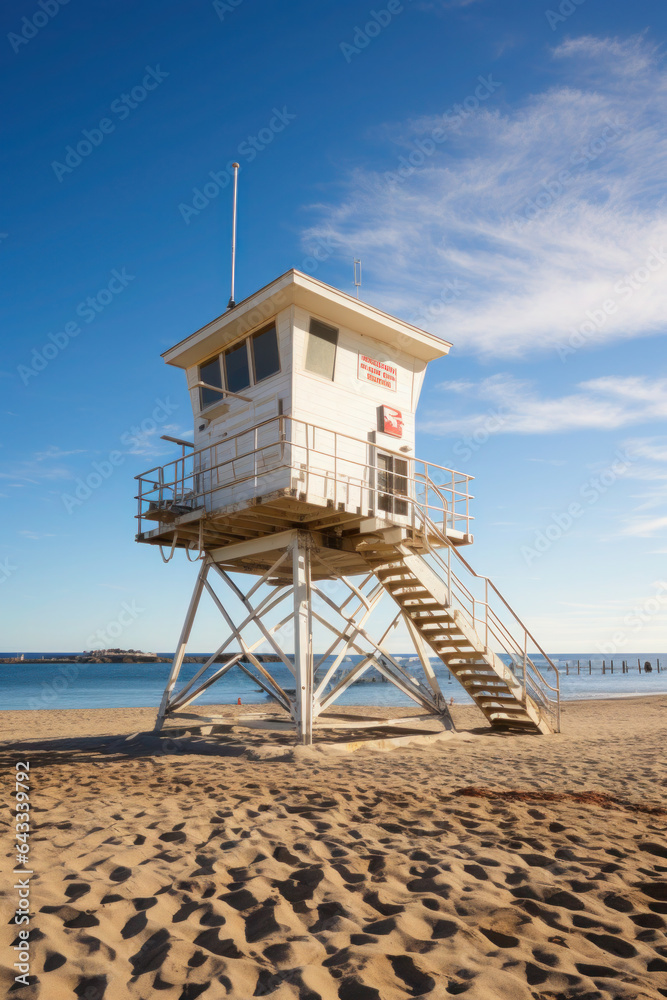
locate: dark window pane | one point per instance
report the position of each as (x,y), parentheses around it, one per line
(212,375)
(266,360)
(236,368)
(321,350)
(392,482)
(400,485)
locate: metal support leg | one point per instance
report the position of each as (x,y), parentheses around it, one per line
(303,646)
(182,643)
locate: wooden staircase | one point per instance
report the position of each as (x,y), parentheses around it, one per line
(425,602)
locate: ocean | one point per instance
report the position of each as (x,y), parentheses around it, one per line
(140,685)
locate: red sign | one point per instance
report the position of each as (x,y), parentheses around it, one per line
(392,421)
(378,372)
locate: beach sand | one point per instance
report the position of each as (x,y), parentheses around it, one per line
(509,866)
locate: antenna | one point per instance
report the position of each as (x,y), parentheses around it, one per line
(235,166)
(357,274)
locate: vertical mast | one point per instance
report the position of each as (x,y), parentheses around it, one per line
(232,302)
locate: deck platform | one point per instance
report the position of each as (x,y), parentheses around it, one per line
(244,536)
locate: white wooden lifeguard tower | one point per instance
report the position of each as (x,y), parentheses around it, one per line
(303,471)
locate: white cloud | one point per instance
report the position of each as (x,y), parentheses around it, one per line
(42,465)
(650,467)
(465,216)
(148,443)
(514,407)
(53,452)
(647,528)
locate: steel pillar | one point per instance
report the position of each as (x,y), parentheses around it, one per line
(317,686)
(303,638)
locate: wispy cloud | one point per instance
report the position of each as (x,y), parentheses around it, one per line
(148,443)
(648,519)
(53,452)
(605,403)
(40,466)
(491,207)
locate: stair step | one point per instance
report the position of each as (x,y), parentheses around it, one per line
(403,587)
(513,710)
(497,699)
(480,686)
(450,634)
(478,677)
(442,618)
(438,628)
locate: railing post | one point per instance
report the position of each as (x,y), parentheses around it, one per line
(486,612)
(449,574)
(525,660)
(335,434)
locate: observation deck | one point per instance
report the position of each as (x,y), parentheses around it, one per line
(283,474)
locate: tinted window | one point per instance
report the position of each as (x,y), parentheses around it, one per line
(266,360)
(321,350)
(211,374)
(237,371)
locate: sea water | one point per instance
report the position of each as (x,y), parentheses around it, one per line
(124,685)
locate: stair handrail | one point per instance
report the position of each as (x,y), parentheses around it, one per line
(430,527)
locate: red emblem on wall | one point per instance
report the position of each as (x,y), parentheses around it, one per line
(391,421)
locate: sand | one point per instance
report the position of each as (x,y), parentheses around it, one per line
(496,865)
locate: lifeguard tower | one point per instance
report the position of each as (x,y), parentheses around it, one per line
(303,472)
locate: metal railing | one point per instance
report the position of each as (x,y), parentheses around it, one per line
(337,469)
(495,622)
(312,462)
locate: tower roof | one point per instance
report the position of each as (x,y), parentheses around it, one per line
(295,288)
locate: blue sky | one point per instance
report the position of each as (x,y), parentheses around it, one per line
(499,167)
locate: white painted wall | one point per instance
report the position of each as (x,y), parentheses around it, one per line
(218,430)
(348,405)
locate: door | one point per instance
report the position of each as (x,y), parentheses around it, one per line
(392,484)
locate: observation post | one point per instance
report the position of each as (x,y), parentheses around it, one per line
(302,473)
